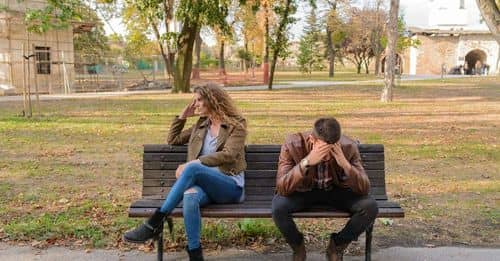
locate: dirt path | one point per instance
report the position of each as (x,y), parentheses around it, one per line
(285,85)
(16,253)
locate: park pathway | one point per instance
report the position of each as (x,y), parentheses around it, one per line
(18,253)
(284,85)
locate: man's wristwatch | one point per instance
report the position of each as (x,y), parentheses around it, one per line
(304,164)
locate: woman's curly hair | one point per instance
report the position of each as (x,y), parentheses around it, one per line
(219,103)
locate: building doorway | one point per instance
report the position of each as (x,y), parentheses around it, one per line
(475,62)
(399,64)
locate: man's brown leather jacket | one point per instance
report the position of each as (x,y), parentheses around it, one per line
(230,154)
(290,177)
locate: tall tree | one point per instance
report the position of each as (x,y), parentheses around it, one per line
(311,48)
(223,37)
(392,37)
(284,12)
(357,45)
(148,16)
(267,41)
(490,11)
(248,17)
(377,30)
(191,15)
(331,23)
(333,27)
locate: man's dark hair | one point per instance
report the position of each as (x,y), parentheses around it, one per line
(327,129)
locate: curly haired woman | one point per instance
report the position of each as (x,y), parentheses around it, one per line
(214,172)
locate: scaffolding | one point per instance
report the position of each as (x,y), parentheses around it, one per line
(42,61)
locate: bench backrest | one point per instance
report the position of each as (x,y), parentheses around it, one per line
(161,161)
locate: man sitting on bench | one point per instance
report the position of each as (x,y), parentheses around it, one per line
(316,167)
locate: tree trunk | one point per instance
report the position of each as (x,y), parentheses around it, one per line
(197,51)
(265,64)
(222,66)
(377,64)
(377,48)
(166,59)
(331,53)
(184,62)
(245,65)
(491,15)
(392,37)
(279,45)
(358,68)
(168,7)
(330,47)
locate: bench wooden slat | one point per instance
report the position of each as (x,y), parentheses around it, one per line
(252,165)
(250,157)
(264,212)
(249,174)
(262,148)
(363,148)
(249,182)
(247,204)
(147,191)
(253,197)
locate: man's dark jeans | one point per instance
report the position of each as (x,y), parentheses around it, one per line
(363,209)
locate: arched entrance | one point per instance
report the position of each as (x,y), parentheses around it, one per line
(399,64)
(475,62)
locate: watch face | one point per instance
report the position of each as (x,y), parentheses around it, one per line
(304,163)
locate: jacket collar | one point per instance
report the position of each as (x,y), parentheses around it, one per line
(206,123)
(307,140)
(223,132)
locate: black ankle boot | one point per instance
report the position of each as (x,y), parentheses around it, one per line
(195,254)
(299,250)
(148,230)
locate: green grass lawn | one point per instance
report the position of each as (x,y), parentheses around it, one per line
(69,175)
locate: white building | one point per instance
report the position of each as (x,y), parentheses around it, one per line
(453,35)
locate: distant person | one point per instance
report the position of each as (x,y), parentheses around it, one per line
(478,66)
(322,166)
(444,69)
(215,168)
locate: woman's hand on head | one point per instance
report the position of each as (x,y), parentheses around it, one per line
(189,110)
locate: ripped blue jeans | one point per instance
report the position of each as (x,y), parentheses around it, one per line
(198,186)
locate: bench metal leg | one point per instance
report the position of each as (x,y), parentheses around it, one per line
(368,247)
(159,244)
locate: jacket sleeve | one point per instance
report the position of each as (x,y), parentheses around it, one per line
(289,175)
(357,180)
(177,136)
(232,149)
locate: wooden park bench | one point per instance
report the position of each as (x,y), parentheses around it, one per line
(161,161)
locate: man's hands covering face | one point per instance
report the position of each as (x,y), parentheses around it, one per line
(323,151)
(339,156)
